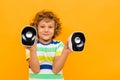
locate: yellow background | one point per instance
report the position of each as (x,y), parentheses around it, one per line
(98,19)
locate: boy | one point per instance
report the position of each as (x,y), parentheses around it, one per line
(46,57)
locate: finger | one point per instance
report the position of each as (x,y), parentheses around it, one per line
(36,38)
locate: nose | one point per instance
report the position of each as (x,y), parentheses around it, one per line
(46,29)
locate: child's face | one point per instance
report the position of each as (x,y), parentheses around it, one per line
(46,28)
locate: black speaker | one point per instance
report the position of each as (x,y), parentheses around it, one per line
(76,41)
(28,35)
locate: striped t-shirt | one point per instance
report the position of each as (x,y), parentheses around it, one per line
(46,54)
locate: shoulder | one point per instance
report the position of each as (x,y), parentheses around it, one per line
(57,42)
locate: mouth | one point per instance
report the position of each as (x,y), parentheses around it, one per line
(45,34)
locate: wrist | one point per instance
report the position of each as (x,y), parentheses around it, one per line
(33,49)
(66,52)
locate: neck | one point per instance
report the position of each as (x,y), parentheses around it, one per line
(45,41)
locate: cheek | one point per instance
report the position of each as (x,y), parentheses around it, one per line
(39,30)
(53,31)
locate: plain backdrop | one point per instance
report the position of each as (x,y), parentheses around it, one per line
(99,20)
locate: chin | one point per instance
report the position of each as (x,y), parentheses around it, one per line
(47,39)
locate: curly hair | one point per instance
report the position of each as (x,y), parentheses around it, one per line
(49,15)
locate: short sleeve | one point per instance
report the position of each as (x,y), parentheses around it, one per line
(27,54)
(59,49)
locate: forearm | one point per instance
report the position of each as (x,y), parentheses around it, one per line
(59,62)
(33,62)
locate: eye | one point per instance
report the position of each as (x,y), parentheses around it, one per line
(42,26)
(50,26)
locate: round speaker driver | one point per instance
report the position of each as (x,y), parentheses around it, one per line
(77,40)
(29,34)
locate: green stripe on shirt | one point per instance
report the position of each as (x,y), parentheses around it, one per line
(43,49)
(50,49)
(46,76)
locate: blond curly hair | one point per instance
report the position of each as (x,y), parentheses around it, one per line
(49,15)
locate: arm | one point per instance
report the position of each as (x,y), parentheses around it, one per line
(60,60)
(33,60)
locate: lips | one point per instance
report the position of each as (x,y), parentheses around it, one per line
(46,34)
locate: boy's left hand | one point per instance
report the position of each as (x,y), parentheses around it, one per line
(66,48)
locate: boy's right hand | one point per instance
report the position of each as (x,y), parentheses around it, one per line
(33,48)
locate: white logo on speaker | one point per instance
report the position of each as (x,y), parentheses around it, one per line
(33,38)
(23,37)
(80,45)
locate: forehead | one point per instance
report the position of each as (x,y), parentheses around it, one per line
(46,20)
